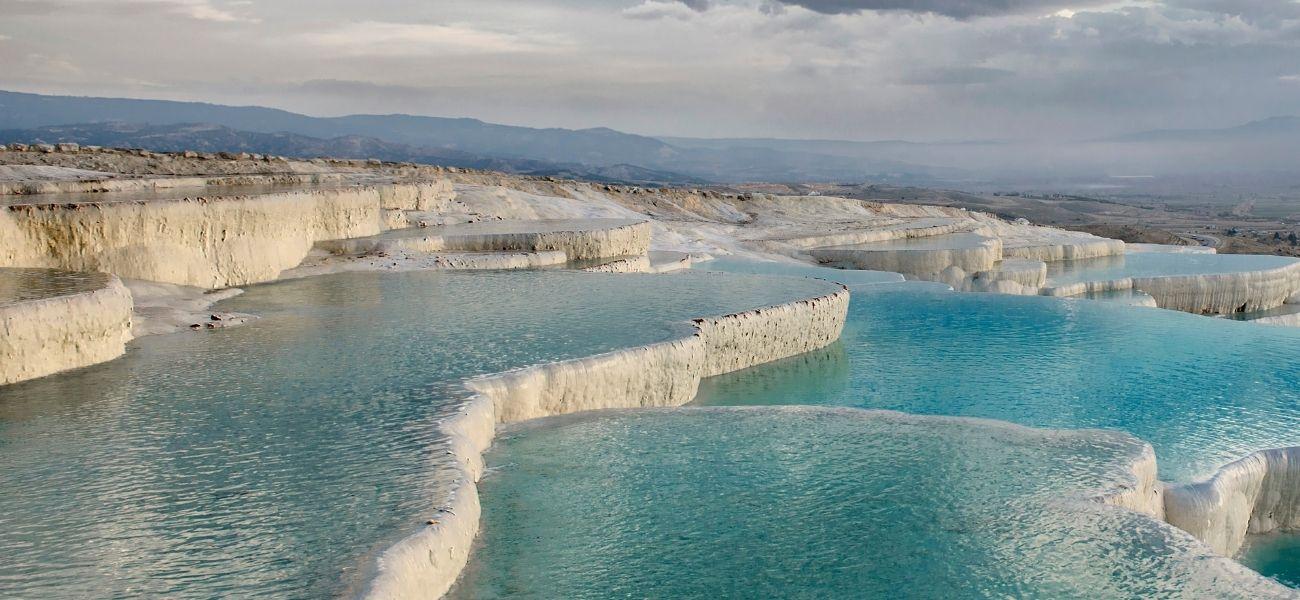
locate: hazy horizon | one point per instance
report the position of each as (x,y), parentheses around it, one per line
(854,70)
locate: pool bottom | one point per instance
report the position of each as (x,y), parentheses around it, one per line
(1275,555)
(804,502)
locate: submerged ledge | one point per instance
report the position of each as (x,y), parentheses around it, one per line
(668,373)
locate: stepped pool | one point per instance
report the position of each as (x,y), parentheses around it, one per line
(851,503)
(1203,391)
(277,459)
(824,503)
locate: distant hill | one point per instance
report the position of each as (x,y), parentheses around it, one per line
(216,138)
(580,150)
(1263,129)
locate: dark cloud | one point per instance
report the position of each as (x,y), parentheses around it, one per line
(958,9)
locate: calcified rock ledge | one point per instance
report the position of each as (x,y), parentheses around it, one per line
(427,563)
(43,336)
(593,239)
(110,183)
(1256,494)
(1222,293)
(921,257)
(210,243)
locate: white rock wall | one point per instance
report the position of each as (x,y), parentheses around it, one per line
(1257,494)
(1074,249)
(208,243)
(578,244)
(1203,294)
(924,263)
(426,564)
(1224,293)
(42,337)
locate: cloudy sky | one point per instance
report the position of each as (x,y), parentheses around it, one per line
(846,69)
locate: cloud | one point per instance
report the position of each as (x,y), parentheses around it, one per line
(381,38)
(204,10)
(198,10)
(957,9)
(653,10)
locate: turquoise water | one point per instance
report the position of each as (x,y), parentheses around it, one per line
(1202,391)
(849,277)
(821,503)
(1275,555)
(278,458)
(1157,264)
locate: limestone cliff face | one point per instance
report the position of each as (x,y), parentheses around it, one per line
(208,243)
(1257,494)
(48,335)
(426,564)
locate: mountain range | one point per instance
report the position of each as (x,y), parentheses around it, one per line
(608,155)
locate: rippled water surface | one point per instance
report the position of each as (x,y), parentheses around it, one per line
(1202,391)
(21,285)
(275,459)
(821,503)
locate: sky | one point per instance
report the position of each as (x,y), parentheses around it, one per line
(921,70)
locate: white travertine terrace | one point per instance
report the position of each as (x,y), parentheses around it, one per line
(427,563)
(1146,494)
(578,239)
(1220,293)
(925,257)
(1256,494)
(653,262)
(1071,250)
(44,335)
(216,243)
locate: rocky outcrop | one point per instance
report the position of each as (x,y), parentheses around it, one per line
(45,335)
(427,563)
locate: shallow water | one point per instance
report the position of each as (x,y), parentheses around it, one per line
(1157,264)
(21,285)
(817,503)
(1275,555)
(1202,391)
(276,459)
